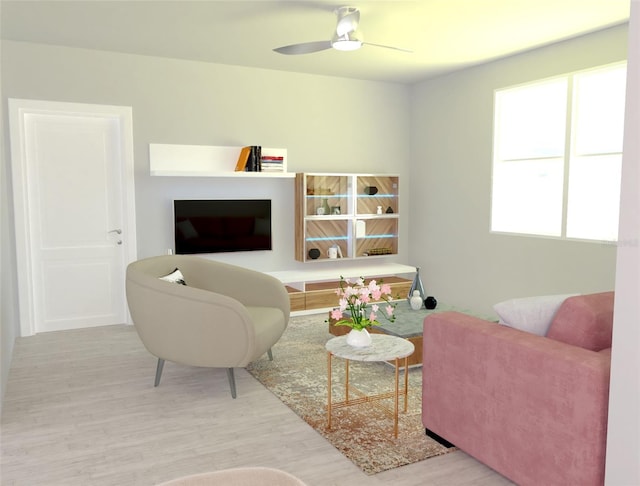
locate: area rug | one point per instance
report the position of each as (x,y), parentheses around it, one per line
(364,432)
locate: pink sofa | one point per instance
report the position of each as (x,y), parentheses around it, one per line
(534,408)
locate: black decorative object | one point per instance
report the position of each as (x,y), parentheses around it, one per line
(371,190)
(430,302)
(389,210)
(314,253)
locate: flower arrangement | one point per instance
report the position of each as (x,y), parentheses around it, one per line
(355,296)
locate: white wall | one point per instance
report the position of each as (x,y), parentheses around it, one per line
(327,124)
(623,438)
(8,298)
(450,191)
(7,324)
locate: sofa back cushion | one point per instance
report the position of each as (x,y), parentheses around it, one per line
(585,321)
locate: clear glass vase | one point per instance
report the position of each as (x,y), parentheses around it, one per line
(416,285)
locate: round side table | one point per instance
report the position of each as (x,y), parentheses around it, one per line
(383,348)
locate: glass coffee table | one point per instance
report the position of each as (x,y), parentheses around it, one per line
(383,348)
(408,325)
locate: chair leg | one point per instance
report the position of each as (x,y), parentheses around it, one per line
(270,354)
(232,382)
(159,371)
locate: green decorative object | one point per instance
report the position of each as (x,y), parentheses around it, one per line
(325,206)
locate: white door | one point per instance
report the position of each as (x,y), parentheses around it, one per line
(72,168)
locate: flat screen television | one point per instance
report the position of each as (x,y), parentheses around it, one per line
(221,225)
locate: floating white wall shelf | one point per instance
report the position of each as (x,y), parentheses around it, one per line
(205,161)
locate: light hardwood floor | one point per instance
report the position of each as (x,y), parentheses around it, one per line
(80,409)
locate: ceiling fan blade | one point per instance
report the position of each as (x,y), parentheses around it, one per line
(304,48)
(388,47)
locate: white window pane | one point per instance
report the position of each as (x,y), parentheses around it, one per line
(599,110)
(594,197)
(531,121)
(527,197)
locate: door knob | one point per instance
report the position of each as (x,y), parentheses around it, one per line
(116,231)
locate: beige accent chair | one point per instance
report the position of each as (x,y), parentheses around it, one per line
(224,317)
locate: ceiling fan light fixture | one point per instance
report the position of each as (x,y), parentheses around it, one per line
(349,41)
(346,37)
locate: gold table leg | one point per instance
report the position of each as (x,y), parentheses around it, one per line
(406,382)
(395,403)
(346,380)
(329,391)
(395,394)
(405,392)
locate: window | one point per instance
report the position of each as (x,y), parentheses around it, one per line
(557,156)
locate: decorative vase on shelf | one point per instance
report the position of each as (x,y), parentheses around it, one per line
(416,285)
(416,300)
(359,339)
(325,206)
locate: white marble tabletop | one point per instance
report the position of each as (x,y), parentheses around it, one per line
(382,348)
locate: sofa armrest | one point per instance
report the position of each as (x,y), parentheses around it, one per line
(532,408)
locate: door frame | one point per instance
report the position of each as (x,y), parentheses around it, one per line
(19,109)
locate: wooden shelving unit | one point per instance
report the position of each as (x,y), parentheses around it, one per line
(358,213)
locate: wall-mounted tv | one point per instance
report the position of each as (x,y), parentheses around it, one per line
(221,225)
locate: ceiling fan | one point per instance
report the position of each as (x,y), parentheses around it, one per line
(345,38)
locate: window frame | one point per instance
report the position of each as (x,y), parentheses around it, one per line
(568,154)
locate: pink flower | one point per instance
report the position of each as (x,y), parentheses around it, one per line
(354,299)
(364,295)
(349,291)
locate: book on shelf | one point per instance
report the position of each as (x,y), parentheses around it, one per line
(251,159)
(253,163)
(272,163)
(243,159)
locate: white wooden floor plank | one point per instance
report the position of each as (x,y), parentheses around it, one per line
(80,409)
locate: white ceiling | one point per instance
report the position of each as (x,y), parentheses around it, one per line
(444,35)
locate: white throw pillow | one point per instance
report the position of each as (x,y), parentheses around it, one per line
(175,277)
(530,314)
